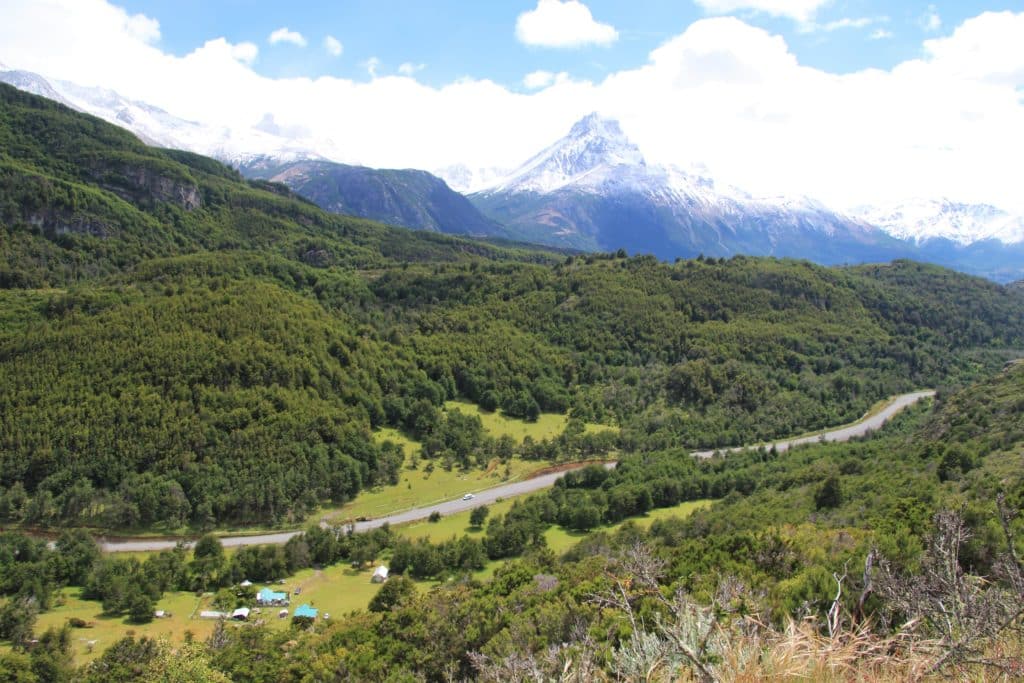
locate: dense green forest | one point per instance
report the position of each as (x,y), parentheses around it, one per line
(182,347)
(852,540)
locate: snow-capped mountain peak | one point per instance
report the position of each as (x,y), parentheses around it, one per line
(592,151)
(920,220)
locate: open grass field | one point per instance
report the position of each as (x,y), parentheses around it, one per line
(547,426)
(335,590)
(558,539)
(418,487)
(89,643)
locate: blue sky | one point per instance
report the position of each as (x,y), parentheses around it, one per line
(462,38)
(847,101)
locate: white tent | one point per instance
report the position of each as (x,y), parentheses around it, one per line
(380,574)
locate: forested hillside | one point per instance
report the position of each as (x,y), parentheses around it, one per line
(712,595)
(181,346)
(887,558)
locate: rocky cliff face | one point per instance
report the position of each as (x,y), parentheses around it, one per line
(165,189)
(135,182)
(56,223)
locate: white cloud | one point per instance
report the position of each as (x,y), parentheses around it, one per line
(333,46)
(245,52)
(371,65)
(841,24)
(986,48)
(931,21)
(410,69)
(799,10)
(562,23)
(847,22)
(535,80)
(724,93)
(284,35)
(143,28)
(880,34)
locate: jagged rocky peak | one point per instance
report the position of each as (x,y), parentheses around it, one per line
(594,147)
(597,140)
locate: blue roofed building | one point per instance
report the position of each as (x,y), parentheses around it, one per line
(304,611)
(267,597)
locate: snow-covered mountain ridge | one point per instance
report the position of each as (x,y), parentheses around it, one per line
(156,127)
(593,189)
(921,220)
(597,158)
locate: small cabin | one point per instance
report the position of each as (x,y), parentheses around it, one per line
(380,574)
(268,598)
(240,614)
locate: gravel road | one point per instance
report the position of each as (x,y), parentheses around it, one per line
(487,496)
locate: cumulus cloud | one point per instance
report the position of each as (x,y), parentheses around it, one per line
(564,24)
(722,92)
(284,35)
(931,21)
(986,48)
(244,52)
(333,46)
(535,80)
(143,28)
(371,65)
(410,69)
(799,10)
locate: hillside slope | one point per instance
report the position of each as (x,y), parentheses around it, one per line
(180,345)
(406,198)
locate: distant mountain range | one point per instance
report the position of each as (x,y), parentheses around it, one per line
(591,190)
(154,126)
(409,198)
(594,190)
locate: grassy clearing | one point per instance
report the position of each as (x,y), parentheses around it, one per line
(417,487)
(336,590)
(560,540)
(106,630)
(547,426)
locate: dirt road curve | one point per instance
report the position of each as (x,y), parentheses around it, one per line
(487,496)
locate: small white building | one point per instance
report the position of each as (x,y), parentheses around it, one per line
(380,574)
(211,614)
(241,614)
(282,614)
(246,583)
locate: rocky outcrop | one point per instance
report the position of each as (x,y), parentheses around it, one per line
(318,258)
(164,189)
(135,182)
(55,223)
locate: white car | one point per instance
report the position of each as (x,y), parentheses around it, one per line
(468,496)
